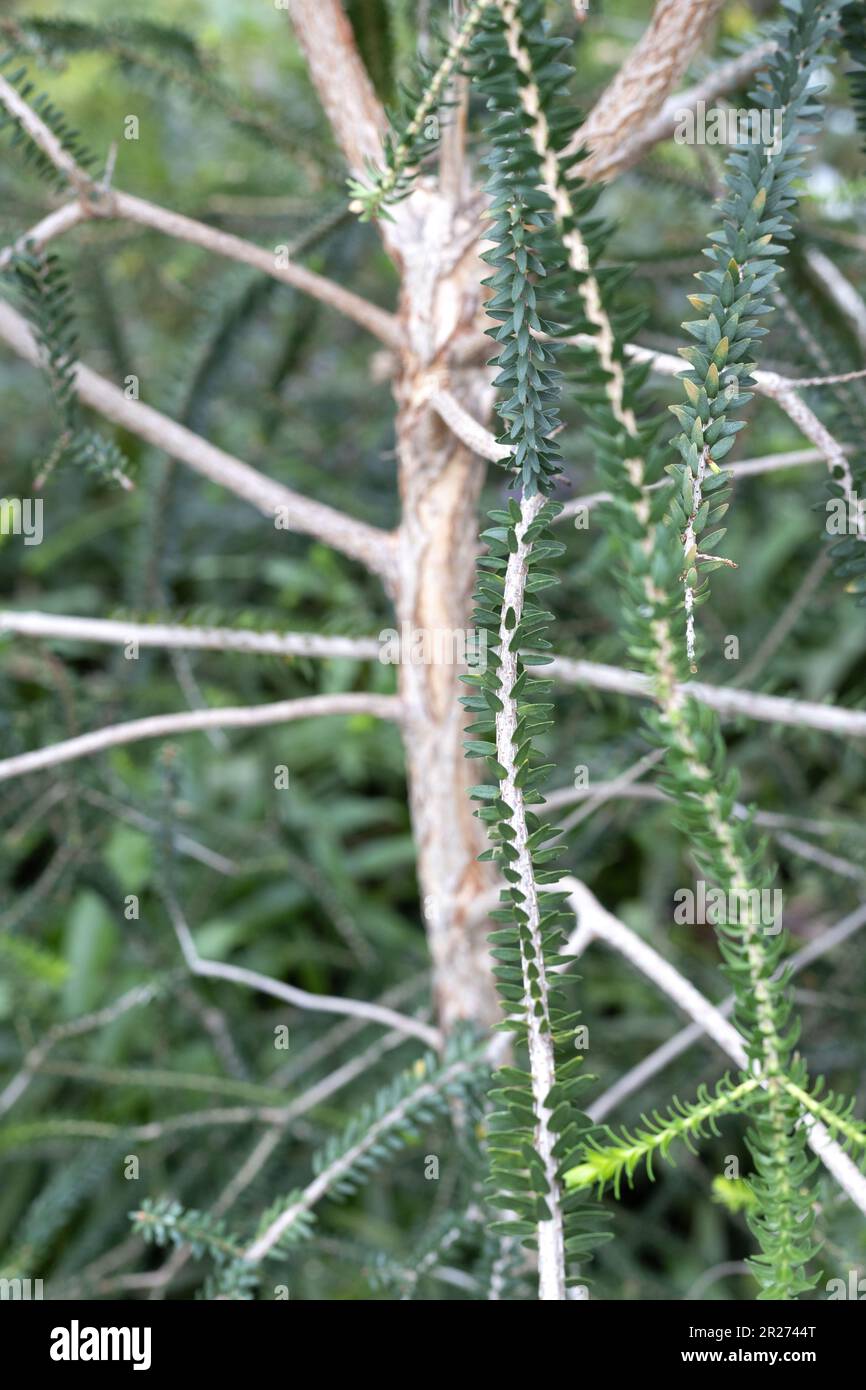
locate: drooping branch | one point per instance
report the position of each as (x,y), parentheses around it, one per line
(539,1033)
(290,994)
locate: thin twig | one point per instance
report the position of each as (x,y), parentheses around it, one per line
(770,709)
(97,200)
(140,994)
(380,322)
(116,632)
(54,225)
(189,721)
(299,998)
(287,509)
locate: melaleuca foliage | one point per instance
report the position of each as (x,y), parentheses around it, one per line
(610,1157)
(41,283)
(536,1128)
(415,124)
(161,56)
(757,215)
(399,1113)
(54,118)
(164,1222)
(756,212)
(647,538)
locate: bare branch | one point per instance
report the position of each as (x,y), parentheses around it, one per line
(344,88)
(772,463)
(770,709)
(367,544)
(783,390)
(167,725)
(183,844)
(378,321)
(840,290)
(619,118)
(116,632)
(467,429)
(800,414)
(675,1046)
(597,794)
(289,994)
(54,225)
(98,201)
(745,468)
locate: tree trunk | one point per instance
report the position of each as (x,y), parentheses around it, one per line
(440,483)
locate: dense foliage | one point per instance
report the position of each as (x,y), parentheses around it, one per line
(208,1113)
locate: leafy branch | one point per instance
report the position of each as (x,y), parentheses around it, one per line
(419,130)
(42,284)
(757,216)
(605,1163)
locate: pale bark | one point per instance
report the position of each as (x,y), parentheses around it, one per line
(343,87)
(116,632)
(645,79)
(440,483)
(617,150)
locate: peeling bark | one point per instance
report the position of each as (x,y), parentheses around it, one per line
(440,483)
